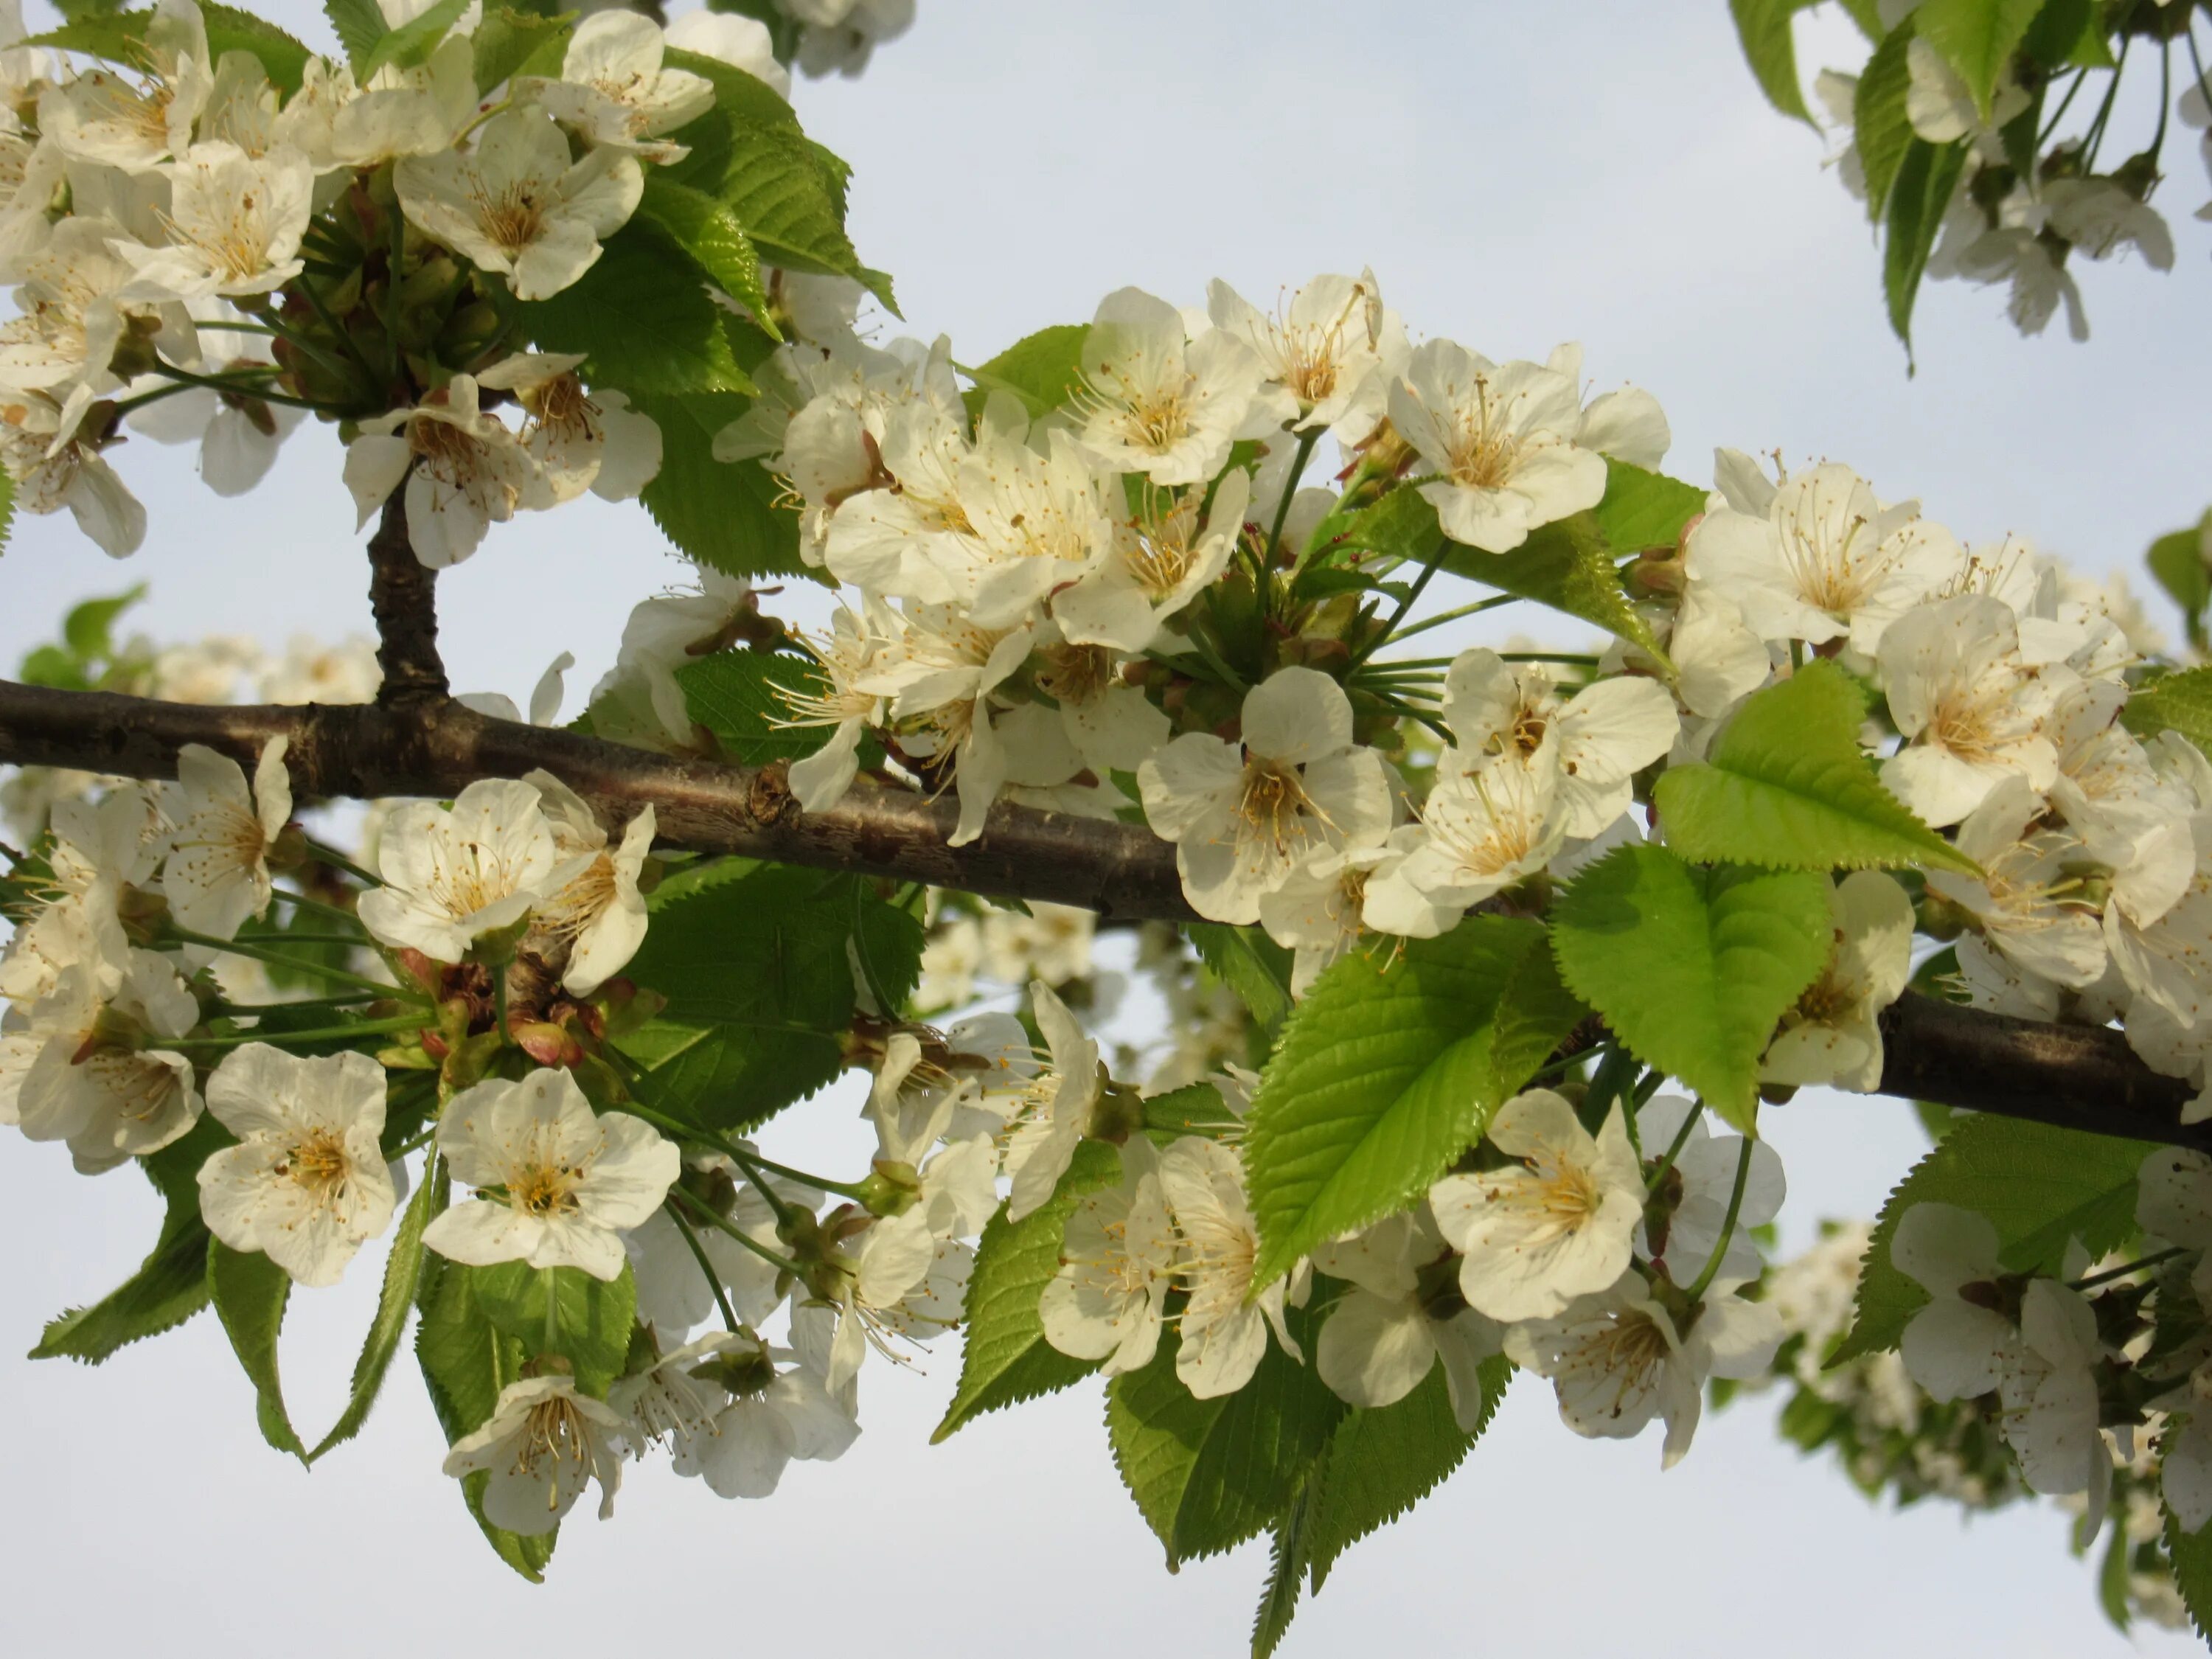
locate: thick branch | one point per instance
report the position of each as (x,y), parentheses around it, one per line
(2076,1076)
(402,595)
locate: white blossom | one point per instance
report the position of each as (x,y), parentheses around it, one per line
(453,873)
(1118,1257)
(1224,1334)
(469,472)
(217,873)
(543,1444)
(1833,1033)
(614,90)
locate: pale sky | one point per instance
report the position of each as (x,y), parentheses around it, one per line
(1516,175)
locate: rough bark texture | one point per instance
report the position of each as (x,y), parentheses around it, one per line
(402,595)
(2078,1077)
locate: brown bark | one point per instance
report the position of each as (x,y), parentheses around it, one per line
(2080,1077)
(402,595)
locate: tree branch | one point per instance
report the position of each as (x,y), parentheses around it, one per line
(403,597)
(2078,1077)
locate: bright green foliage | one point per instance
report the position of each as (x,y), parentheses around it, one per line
(1977,38)
(249,1291)
(1879,124)
(1209,1474)
(1042,370)
(760,990)
(1383,1461)
(359,25)
(2040,1186)
(119,37)
(1385,1074)
(1249,963)
(466,1362)
(2180,702)
(589,1324)
(403,1275)
(411,44)
(2069,33)
(734,695)
(2177,559)
(1006,1359)
(642,319)
(1288,1553)
(170,1284)
(1918,198)
(1196,1108)
(1644,509)
(710,232)
(722,516)
(508,41)
(1762,27)
(1692,966)
(1568,566)
(1786,787)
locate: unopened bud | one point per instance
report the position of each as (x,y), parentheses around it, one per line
(890,1188)
(547,1044)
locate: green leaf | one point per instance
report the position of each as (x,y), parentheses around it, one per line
(641,318)
(1926,179)
(2177,560)
(89,630)
(2190,1556)
(734,695)
(507,42)
(1006,1359)
(710,232)
(1786,787)
(403,1277)
(1867,13)
(1249,963)
(1196,1108)
(1209,1474)
(1641,508)
(2069,34)
(120,37)
(1762,27)
(1287,1557)
(170,1284)
(738,95)
(249,1291)
(360,25)
(1384,1075)
(1383,1461)
(589,1325)
(466,1362)
(1568,566)
(2040,1186)
(1692,966)
(1878,124)
(760,990)
(410,45)
(1977,38)
(2177,702)
(1042,370)
(722,514)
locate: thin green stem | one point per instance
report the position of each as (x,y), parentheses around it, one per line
(1681,1139)
(1455,614)
(1413,714)
(705,1213)
(319,1034)
(1727,1222)
(338,860)
(1412,662)
(152,396)
(345,341)
(351,998)
(841,1188)
(749,1163)
(730,1321)
(260,953)
(1571,658)
(2059,114)
(550,1282)
(1307,440)
(1429,568)
(316,907)
(2165,94)
(221,384)
(352,940)
(2135,1267)
(2095,137)
(415,1145)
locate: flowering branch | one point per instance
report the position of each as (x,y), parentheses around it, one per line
(2077,1076)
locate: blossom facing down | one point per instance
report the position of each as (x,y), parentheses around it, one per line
(575,1181)
(517,205)
(1117,1261)
(577,440)
(1956,1347)
(1245,815)
(1395,1322)
(1553,1224)
(591,905)
(1503,436)
(1834,1034)
(543,1444)
(614,90)
(1224,1327)
(451,874)
(307,1182)
(1971,709)
(217,873)
(464,471)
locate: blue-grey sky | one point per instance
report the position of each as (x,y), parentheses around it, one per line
(1517,176)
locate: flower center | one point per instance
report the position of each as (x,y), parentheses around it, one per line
(546,1190)
(1272,804)
(319,1165)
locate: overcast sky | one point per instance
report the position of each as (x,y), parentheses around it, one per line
(1517,176)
